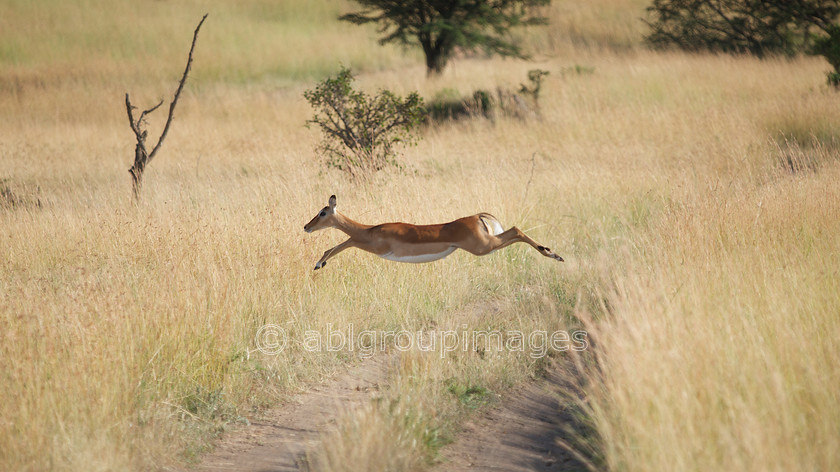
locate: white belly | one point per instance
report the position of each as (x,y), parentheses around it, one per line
(419,258)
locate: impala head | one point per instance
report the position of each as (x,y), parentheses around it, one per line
(324,219)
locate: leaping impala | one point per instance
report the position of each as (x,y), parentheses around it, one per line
(478,234)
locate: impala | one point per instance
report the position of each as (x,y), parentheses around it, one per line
(478,234)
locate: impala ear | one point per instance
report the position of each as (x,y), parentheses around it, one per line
(332,202)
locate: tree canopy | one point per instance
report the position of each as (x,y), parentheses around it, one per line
(441,26)
(742,26)
(758,27)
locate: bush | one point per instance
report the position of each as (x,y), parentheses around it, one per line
(449,105)
(361,133)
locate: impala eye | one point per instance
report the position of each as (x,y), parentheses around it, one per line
(323,214)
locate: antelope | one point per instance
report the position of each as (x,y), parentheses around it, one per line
(478,234)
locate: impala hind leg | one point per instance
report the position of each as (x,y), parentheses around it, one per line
(515,235)
(332,252)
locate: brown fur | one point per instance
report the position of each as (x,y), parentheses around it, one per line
(419,243)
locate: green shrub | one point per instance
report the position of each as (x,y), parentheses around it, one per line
(361,133)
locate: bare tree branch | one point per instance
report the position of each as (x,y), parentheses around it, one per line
(143,115)
(141,155)
(178,92)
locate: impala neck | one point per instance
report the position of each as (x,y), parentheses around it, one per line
(351,228)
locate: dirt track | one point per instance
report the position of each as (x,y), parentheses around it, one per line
(280,439)
(518,434)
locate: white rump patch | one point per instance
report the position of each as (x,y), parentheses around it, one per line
(493,226)
(419,258)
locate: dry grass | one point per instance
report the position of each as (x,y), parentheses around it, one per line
(127,332)
(722,345)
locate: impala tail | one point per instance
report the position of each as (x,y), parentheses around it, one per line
(493,226)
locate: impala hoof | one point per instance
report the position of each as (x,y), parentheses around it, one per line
(547,252)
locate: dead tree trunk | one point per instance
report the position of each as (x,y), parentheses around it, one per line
(142,156)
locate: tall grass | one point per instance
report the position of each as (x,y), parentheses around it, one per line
(721,350)
(127,332)
(255,40)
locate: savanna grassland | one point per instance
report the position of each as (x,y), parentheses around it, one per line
(695,198)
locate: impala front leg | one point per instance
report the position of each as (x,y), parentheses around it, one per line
(332,252)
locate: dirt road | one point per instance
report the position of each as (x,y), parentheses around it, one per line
(518,434)
(279,441)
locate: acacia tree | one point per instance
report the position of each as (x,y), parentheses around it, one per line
(758,27)
(755,27)
(441,26)
(823,15)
